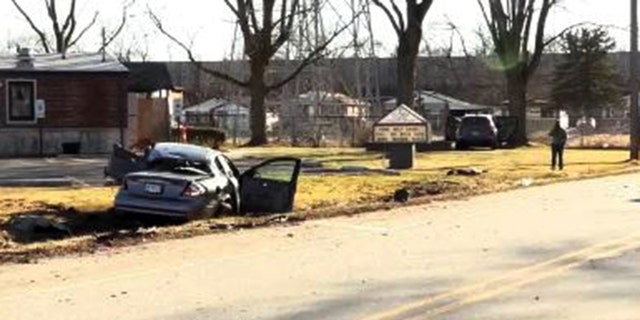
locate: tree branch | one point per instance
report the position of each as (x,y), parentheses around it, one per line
(251,13)
(40,33)
(72,29)
(564,31)
(241,14)
(119,29)
(398,14)
(72,11)
(81,34)
(313,56)
(423,8)
(528,16)
(218,74)
(540,42)
(286,23)
(53,15)
(387,12)
(492,28)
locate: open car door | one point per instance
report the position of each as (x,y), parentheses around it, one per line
(123,161)
(270,187)
(506,129)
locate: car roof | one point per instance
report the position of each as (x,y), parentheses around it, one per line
(182,151)
(478,116)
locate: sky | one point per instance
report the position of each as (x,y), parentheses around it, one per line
(207,25)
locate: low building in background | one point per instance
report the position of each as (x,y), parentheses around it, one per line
(437,107)
(54,103)
(317,116)
(233,118)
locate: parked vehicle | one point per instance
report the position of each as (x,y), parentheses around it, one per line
(477,131)
(188,181)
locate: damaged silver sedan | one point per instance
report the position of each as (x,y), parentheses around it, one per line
(188,181)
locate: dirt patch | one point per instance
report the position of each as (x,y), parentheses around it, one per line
(139,231)
(103,231)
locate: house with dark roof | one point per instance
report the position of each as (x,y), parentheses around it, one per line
(52,104)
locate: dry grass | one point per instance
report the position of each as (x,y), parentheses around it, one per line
(318,195)
(505,168)
(92,199)
(604,141)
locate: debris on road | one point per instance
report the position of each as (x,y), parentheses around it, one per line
(526,182)
(401,195)
(5,240)
(28,226)
(469,172)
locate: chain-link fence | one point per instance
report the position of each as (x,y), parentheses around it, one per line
(304,130)
(585,133)
(355,131)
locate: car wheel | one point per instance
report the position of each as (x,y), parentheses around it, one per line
(461,146)
(226,205)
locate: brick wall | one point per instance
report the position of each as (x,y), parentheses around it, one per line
(88,100)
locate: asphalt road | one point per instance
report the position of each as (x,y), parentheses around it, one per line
(565,251)
(59,171)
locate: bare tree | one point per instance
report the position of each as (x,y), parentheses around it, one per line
(264,31)
(510,24)
(133,50)
(65,30)
(408,28)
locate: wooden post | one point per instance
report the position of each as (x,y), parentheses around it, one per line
(633,82)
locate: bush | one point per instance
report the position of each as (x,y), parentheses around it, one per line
(206,136)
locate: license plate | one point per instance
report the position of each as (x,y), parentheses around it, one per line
(153,188)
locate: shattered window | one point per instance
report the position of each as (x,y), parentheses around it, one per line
(277,171)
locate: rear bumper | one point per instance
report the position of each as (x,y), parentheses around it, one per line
(161,207)
(478,141)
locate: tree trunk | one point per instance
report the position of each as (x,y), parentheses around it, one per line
(408,47)
(258,91)
(517,93)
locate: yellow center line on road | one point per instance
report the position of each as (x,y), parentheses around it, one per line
(452,300)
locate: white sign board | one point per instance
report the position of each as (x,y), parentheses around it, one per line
(400,133)
(40,109)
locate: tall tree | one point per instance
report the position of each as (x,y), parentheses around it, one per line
(511,23)
(634,134)
(586,81)
(264,31)
(65,30)
(408,28)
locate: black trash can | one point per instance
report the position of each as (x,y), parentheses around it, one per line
(71,148)
(401,155)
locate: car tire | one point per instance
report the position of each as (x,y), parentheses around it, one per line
(461,146)
(226,205)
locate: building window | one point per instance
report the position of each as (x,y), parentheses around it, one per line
(21,101)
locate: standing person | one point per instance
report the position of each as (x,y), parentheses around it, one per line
(559,139)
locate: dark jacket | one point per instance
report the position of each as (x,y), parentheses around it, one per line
(559,135)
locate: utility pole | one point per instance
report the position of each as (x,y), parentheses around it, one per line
(633,82)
